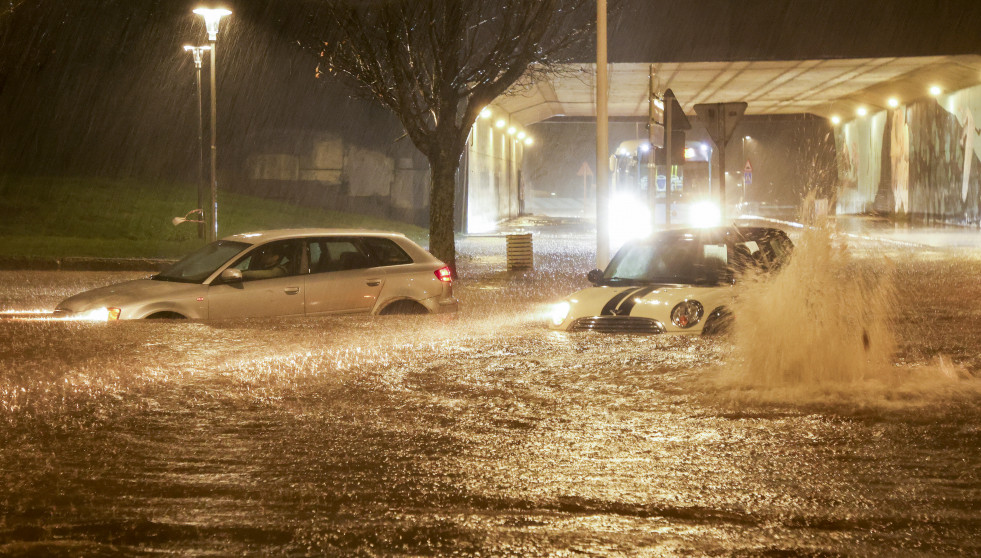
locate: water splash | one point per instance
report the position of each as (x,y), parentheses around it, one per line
(822,330)
(825,318)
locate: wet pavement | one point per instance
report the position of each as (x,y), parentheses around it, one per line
(487,434)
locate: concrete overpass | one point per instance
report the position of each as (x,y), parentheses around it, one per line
(820,87)
(904,101)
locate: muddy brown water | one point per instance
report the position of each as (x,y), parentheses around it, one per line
(483,433)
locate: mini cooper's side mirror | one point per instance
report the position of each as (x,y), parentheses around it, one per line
(594,276)
(231,275)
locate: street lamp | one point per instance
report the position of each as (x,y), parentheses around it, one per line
(197,51)
(211,17)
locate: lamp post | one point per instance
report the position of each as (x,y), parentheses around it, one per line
(211,17)
(197,51)
(745,176)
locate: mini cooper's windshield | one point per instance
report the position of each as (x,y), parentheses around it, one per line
(199,265)
(675,259)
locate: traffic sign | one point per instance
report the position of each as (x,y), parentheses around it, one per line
(584,170)
(679,120)
(720,119)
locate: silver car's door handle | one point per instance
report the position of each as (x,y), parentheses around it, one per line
(373,282)
(291,290)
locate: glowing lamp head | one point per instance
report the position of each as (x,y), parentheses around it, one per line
(211,17)
(529,141)
(196,51)
(893,102)
(862,111)
(836,120)
(935,90)
(486,113)
(500,123)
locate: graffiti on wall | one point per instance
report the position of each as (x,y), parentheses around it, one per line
(921,160)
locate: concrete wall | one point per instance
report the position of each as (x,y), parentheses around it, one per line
(493,172)
(921,160)
(325,171)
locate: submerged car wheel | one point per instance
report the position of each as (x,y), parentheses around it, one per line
(165,316)
(404,307)
(719,322)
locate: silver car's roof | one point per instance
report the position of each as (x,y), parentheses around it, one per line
(278,234)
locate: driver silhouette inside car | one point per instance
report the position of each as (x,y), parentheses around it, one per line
(268,262)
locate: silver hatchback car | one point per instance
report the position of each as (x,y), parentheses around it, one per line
(282,273)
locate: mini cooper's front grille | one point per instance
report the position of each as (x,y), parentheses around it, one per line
(617,324)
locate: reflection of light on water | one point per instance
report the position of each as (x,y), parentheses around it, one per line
(94,315)
(21,312)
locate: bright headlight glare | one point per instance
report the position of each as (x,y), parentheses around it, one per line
(560,311)
(629,219)
(94,315)
(687,313)
(705,214)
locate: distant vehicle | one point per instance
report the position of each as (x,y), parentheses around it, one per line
(630,195)
(282,273)
(677,281)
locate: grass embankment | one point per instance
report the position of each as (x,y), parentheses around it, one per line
(93,217)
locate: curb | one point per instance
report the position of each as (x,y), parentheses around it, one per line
(32,263)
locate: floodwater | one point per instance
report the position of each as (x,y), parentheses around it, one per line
(487,434)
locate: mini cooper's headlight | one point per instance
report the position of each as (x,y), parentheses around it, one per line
(686,314)
(560,311)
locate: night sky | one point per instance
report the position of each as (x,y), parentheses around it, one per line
(104,86)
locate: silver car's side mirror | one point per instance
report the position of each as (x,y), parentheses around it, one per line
(231,275)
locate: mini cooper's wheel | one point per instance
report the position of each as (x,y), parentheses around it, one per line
(719,322)
(404,307)
(166,316)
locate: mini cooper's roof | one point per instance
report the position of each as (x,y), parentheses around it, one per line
(280,234)
(745,232)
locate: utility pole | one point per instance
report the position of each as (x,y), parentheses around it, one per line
(602,142)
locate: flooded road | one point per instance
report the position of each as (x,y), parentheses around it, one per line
(485,433)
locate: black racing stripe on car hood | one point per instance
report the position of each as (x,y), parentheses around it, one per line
(608,309)
(628,305)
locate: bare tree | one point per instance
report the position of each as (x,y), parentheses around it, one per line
(7,7)
(437,63)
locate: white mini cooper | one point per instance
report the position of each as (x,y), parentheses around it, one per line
(282,273)
(677,281)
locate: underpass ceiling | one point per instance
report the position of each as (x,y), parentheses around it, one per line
(819,87)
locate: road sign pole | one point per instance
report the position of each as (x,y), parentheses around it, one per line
(720,121)
(722,178)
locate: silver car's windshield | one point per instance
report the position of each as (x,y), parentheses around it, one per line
(683,259)
(199,265)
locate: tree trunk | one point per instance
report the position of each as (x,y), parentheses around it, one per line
(443,166)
